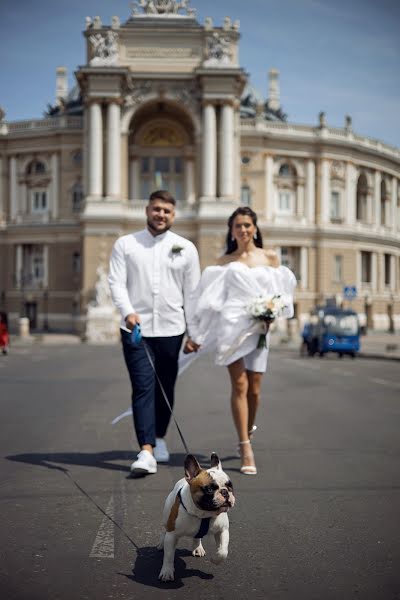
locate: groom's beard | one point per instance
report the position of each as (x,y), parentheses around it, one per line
(156,230)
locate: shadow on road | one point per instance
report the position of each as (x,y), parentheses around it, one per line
(99,460)
(148,565)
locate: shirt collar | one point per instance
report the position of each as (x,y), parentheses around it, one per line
(156,238)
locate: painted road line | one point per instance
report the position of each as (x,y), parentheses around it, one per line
(103,546)
(385,382)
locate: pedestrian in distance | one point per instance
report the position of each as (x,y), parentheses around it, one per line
(152,275)
(4,335)
(231,311)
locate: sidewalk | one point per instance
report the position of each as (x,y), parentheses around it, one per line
(375,344)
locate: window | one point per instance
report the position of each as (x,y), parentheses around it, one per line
(387,264)
(76,262)
(36,167)
(335,206)
(162,172)
(38,201)
(32,268)
(366,267)
(77,197)
(285,202)
(245,195)
(362,199)
(287,171)
(338,268)
(290,257)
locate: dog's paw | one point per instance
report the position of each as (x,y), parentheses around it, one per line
(199,551)
(166,574)
(219,557)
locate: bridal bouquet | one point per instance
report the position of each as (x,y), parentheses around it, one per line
(266,309)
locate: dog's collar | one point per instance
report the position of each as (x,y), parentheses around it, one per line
(205,522)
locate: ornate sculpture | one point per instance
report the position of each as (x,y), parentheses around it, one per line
(161,7)
(105,49)
(103,294)
(218,50)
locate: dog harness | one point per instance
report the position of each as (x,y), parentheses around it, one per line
(205,522)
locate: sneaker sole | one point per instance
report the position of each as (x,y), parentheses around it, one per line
(143,471)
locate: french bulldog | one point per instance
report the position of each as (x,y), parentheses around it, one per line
(197,505)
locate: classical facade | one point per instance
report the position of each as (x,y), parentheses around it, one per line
(162,102)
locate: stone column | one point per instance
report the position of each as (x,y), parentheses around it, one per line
(377,199)
(13,189)
(95,158)
(226,151)
(325,191)
(54,187)
(134,178)
(209,151)
(113,149)
(269,188)
(393,212)
(310,192)
(304,267)
(18,265)
(351,194)
(374,271)
(300,201)
(189,181)
(392,273)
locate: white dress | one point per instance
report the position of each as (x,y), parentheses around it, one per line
(218,318)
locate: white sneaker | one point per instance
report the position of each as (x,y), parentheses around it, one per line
(160,450)
(145,464)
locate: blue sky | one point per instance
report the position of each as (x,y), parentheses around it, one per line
(338,56)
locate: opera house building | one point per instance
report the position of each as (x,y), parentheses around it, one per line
(161,102)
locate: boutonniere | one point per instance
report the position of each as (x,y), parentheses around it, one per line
(177,250)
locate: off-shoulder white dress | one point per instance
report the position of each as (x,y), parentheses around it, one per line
(217,315)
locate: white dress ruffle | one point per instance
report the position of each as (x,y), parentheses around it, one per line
(217,315)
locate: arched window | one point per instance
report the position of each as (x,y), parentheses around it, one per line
(245,195)
(287,189)
(77,197)
(362,199)
(383,203)
(35,167)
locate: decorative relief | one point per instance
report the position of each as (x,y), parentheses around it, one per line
(185,93)
(104,49)
(162,135)
(160,52)
(218,50)
(163,8)
(337,170)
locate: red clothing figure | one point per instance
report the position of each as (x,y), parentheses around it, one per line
(4,336)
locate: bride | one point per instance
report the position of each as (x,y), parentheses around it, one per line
(218,319)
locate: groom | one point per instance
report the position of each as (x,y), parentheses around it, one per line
(152,275)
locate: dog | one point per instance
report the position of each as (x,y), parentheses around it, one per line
(197,505)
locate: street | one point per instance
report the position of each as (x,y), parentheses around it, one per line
(320,521)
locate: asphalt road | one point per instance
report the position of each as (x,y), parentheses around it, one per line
(320,520)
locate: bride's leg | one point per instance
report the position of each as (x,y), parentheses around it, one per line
(240,413)
(253,396)
(240,385)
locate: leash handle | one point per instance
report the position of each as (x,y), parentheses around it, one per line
(165,396)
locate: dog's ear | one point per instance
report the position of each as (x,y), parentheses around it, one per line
(215,462)
(192,467)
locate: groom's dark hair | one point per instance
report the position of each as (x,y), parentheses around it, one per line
(163,195)
(246,211)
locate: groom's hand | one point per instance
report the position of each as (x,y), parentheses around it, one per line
(131,320)
(190,346)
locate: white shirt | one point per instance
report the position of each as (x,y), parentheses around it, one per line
(146,277)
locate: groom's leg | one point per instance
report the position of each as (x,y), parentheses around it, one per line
(166,352)
(143,385)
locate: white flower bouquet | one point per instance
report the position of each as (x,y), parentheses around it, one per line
(266,309)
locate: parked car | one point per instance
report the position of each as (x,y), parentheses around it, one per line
(332,329)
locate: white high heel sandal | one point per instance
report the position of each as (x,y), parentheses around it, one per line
(252,430)
(247,469)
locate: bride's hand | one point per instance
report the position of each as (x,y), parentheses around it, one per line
(190,346)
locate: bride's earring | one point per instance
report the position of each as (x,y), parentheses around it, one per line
(255,236)
(232,238)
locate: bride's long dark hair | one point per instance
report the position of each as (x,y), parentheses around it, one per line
(246,211)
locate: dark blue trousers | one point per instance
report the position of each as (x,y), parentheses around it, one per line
(151,414)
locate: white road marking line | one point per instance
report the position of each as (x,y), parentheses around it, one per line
(103,546)
(384,382)
(303,364)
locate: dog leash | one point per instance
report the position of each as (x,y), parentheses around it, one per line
(164,395)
